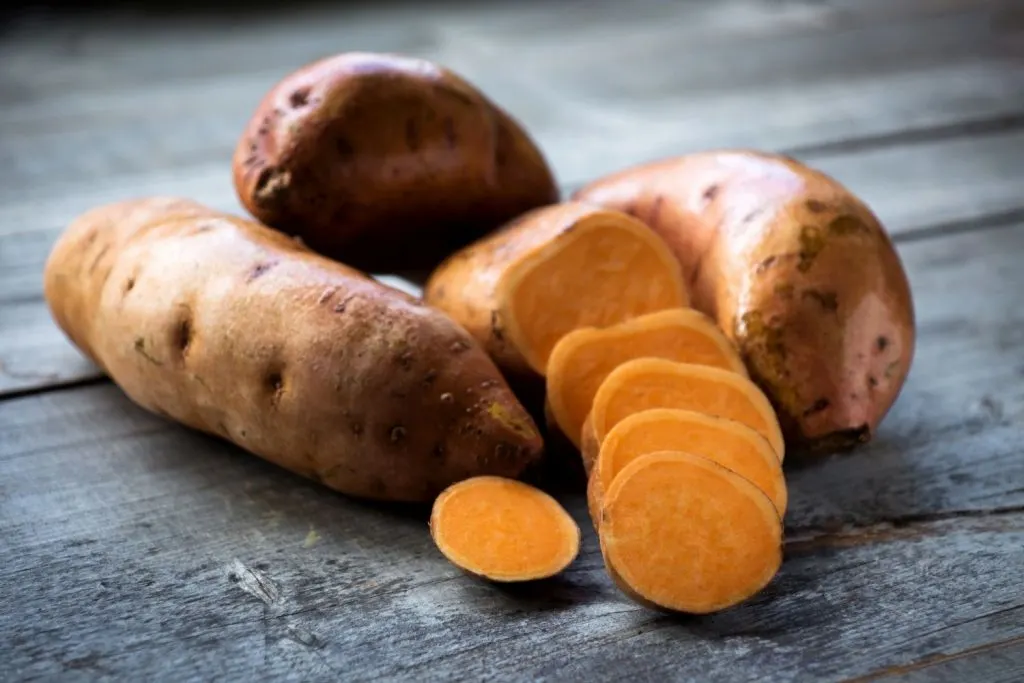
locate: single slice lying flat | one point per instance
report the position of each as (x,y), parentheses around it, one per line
(503,530)
(685,534)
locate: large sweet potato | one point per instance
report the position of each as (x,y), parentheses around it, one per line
(796,270)
(237,330)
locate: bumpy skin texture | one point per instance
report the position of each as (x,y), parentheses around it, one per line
(796,270)
(234,329)
(386,162)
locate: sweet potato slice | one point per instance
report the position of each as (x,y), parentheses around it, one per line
(503,530)
(646,383)
(555,269)
(683,533)
(726,442)
(582,359)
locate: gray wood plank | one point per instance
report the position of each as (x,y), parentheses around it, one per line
(994,663)
(135,549)
(124,102)
(911,187)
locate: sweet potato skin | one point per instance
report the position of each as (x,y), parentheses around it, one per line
(796,270)
(386,162)
(234,329)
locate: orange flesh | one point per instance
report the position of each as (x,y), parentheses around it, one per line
(594,275)
(503,530)
(582,359)
(646,383)
(730,444)
(686,534)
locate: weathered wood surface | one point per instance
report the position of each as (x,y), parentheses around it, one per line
(133,549)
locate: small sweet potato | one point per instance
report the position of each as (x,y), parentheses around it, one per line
(234,329)
(796,270)
(386,162)
(553,270)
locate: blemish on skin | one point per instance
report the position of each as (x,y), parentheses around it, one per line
(458,346)
(765,264)
(438,451)
(271,184)
(299,98)
(397,434)
(818,406)
(259,270)
(356,427)
(343,304)
(446,397)
(811,244)
(140,348)
(827,300)
(872,381)
(846,225)
(815,206)
(710,193)
(488,383)
(129,285)
(344,148)
(326,295)
(881,343)
(785,290)
(429,378)
(183,335)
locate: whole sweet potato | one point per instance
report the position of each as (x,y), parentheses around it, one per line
(796,270)
(239,331)
(386,162)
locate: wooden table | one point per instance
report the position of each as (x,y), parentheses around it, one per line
(134,549)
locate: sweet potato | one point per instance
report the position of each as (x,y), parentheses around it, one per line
(726,442)
(386,162)
(646,383)
(583,358)
(683,533)
(796,270)
(503,530)
(234,329)
(551,271)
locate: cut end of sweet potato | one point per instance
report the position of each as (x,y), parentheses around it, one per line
(728,443)
(646,383)
(685,534)
(582,359)
(503,530)
(605,268)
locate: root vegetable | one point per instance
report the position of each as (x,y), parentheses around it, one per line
(503,530)
(553,270)
(582,359)
(796,270)
(682,533)
(234,329)
(386,162)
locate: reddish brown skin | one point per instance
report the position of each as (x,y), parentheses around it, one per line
(796,270)
(386,162)
(234,329)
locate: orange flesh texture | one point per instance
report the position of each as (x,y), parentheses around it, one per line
(582,359)
(601,271)
(646,383)
(689,535)
(731,444)
(503,530)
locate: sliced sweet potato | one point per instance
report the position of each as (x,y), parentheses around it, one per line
(555,269)
(682,533)
(646,383)
(726,442)
(582,359)
(503,530)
